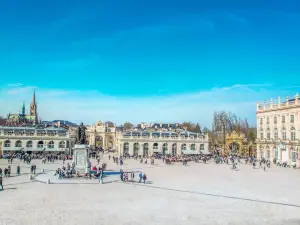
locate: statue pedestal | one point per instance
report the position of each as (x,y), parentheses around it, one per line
(81,158)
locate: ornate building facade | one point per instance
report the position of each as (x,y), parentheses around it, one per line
(237,143)
(34,139)
(101,135)
(278,129)
(22,118)
(147,143)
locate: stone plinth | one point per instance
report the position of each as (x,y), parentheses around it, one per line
(81,158)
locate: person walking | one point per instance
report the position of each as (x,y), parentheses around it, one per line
(1,184)
(0,172)
(141,177)
(18,170)
(121,174)
(9,171)
(144,178)
(132,176)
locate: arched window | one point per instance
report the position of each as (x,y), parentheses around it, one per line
(268,153)
(145,149)
(62,144)
(18,144)
(40,144)
(51,144)
(165,148)
(193,147)
(126,148)
(276,154)
(201,147)
(155,146)
(174,149)
(183,147)
(136,148)
(7,143)
(293,134)
(294,156)
(29,144)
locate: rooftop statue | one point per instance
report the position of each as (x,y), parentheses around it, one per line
(80,135)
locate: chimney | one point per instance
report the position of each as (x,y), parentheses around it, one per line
(160,125)
(151,124)
(287,100)
(271,103)
(278,101)
(257,107)
(296,98)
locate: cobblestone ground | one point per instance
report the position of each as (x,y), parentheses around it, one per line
(194,194)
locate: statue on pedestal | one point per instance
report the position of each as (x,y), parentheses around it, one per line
(80,135)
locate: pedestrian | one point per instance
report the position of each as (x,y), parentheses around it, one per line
(141,177)
(1,184)
(0,172)
(132,176)
(18,170)
(144,178)
(121,174)
(9,171)
(101,176)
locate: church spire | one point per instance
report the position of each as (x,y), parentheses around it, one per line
(23,109)
(33,108)
(33,97)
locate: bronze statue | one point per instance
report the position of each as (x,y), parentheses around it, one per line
(80,135)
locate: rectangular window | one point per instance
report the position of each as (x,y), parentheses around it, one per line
(261,121)
(275,120)
(268,136)
(261,136)
(276,136)
(284,135)
(283,119)
(268,120)
(292,118)
(293,136)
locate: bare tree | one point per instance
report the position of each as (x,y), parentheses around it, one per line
(128,125)
(223,123)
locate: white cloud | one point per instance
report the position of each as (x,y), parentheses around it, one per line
(15,85)
(91,106)
(16,90)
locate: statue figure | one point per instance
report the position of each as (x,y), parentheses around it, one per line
(80,135)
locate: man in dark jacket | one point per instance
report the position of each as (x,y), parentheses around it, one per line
(1,184)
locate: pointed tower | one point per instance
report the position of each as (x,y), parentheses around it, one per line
(23,109)
(33,108)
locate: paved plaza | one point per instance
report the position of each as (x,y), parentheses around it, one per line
(174,194)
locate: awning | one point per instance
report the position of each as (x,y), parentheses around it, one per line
(205,152)
(189,152)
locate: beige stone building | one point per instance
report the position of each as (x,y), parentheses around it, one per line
(278,130)
(147,143)
(101,135)
(32,139)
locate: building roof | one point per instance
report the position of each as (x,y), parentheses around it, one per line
(59,129)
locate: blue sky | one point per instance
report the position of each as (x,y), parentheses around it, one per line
(139,61)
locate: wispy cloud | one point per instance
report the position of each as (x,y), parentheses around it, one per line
(17,90)
(15,85)
(236,18)
(90,106)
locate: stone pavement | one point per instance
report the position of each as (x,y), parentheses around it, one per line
(194,194)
